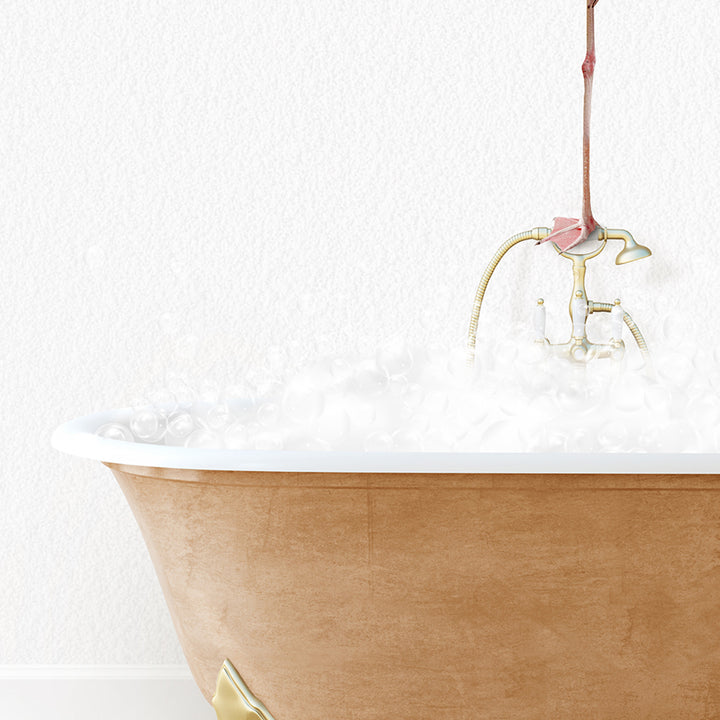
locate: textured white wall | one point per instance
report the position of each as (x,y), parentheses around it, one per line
(198,167)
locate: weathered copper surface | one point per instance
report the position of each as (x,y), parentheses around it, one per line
(364,596)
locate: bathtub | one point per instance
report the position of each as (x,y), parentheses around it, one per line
(360,586)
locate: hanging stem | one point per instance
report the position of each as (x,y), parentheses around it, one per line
(588,70)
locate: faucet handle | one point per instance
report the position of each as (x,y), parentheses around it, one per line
(579,315)
(617,317)
(539,319)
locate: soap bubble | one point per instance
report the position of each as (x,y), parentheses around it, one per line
(649,437)
(501,437)
(263,382)
(457,367)
(536,380)
(317,375)
(414,396)
(629,394)
(115,431)
(705,410)
(236,436)
(439,440)
(341,371)
(218,418)
(406,441)
(182,391)
(678,436)
(333,424)
(675,328)
(378,442)
(714,380)
(581,440)
(704,362)
(180,425)
(676,369)
(139,402)
(597,387)
(658,398)
(268,414)
(360,411)
(436,355)
(472,440)
(303,404)
(533,353)
(308,445)
(514,401)
(602,326)
(202,438)
(538,416)
(613,436)
(511,401)
(435,403)
(268,441)
(505,354)
(163,401)
(635,362)
(473,408)
(398,385)
(239,400)
(370,381)
(145,424)
(572,396)
(394,357)
(555,440)
(209,392)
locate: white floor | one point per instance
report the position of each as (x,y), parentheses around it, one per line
(97,693)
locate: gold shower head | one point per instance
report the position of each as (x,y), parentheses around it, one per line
(632,250)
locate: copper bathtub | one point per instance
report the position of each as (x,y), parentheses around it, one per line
(317,586)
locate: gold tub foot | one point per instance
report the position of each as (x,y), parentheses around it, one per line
(233,699)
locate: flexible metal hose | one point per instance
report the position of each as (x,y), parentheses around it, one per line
(537,233)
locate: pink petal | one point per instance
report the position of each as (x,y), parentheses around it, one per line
(564,239)
(569,238)
(560,223)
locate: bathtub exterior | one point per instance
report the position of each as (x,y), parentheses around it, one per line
(418,596)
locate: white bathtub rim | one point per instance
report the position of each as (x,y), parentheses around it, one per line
(77,437)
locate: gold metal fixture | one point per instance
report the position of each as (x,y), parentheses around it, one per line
(537,234)
(578,348)
(632,250)
(233,699)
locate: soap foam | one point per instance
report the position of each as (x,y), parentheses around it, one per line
(517,398)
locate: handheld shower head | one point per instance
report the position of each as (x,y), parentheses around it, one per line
(632,250)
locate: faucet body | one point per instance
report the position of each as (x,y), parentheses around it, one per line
(578,348)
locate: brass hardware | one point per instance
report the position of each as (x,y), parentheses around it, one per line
(538,233)
(233,699)
(632,250)
(578,348)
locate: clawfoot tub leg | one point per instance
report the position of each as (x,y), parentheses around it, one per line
(233,699)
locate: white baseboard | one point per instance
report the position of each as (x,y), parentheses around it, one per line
(105,692)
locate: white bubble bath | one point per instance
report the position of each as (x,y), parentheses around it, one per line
(517,398)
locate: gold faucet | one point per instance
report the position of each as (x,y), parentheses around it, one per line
(578,348)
